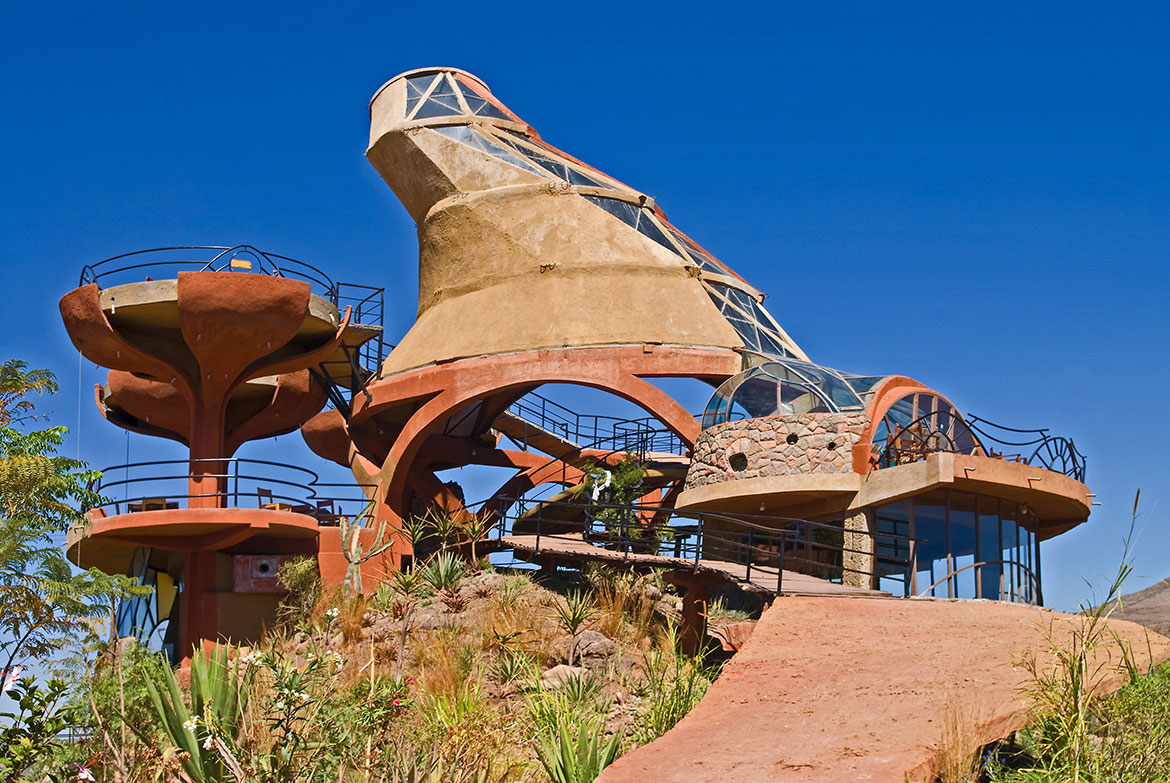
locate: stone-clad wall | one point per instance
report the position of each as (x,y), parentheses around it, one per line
(750,448)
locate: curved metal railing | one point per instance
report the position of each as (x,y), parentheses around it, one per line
(964,435)
(239,483)
(929,433)
(1036,447)
(212,258)
(1013,591)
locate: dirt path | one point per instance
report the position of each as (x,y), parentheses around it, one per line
(855,689)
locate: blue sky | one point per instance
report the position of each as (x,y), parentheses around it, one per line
(975,198)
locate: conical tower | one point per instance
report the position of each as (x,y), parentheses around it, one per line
(534,268)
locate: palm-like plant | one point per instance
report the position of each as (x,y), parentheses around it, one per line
(477,528)
(573,615)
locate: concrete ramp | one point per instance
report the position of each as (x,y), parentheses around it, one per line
(856,689)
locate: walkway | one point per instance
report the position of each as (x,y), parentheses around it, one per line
(843,690)
(571,547)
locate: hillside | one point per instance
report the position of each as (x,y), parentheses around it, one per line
(1149,607)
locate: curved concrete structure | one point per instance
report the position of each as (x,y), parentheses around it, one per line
(212,359)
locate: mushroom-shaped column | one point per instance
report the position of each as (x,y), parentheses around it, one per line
(211,359)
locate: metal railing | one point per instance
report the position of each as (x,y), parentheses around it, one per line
(361,364)
(751,549)
(1035,447)
(556,472)
(645,433)
(163,485)
(211,258)
(1028,593)
(945,431)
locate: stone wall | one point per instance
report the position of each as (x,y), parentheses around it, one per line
(776,446)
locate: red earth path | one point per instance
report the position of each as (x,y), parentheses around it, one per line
(857,689)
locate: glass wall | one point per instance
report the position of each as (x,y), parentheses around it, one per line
(965,546)
(920,424)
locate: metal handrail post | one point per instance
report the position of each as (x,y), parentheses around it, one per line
(750,546)
(780,563)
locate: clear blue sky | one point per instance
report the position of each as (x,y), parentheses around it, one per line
(978,199)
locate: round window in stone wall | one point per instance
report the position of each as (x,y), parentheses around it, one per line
(791,440)
(738,462)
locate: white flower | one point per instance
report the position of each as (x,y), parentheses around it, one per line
(209,742)
(84,774)
(191,723)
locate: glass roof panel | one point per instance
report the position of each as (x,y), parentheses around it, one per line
(481,107)
(470,137)
(416,87)
(636,217)
(558,168)
(703,260)
(443,101)
(779,388)
(864,385)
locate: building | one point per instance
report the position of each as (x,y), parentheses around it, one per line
(535,269)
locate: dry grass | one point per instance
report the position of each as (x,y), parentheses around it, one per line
(960,748)
(625,606)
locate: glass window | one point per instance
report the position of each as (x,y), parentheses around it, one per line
(962,521)
(1008,540)
(416,87)
(558,168)
(442,102)
(930,528)
(891,547)
(470,137)
(990,575)
(863,384)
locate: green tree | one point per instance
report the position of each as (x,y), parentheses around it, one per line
(44,605)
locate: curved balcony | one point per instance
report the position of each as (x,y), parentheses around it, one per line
(947,431)
(160,505)
(126,268)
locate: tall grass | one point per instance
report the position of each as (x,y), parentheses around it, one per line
(1075,729)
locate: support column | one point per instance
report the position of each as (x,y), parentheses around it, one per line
(693,628)
(198,610)
(857,558)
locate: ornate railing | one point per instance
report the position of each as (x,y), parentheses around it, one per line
(211,258)
(640,435)
(1032,447)
(945,431)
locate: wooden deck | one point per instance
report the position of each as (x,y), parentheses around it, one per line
(571,547)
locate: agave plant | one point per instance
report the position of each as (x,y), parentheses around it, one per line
(444,572)
(207,731)
(577,757)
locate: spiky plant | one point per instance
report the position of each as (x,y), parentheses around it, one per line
(444,572)
(579,756)
(573,615)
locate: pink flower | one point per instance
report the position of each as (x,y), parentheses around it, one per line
(397,702)
(10,679)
